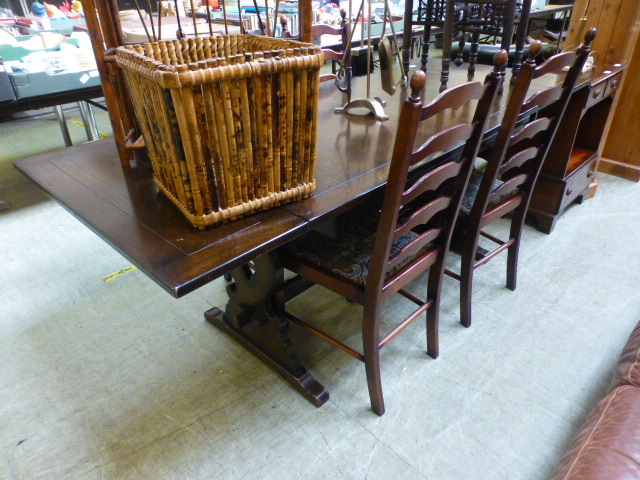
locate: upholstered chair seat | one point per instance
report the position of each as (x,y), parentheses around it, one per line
(350,254)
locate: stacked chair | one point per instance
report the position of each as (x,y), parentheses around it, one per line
(342,57)
(378,257)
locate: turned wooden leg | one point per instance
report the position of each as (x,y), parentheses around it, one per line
(425,47)
(462,40)
(473,56)
(406,39)
(447,43)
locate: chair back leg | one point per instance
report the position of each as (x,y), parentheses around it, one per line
(371,350)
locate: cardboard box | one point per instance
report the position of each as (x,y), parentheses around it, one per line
(6,89)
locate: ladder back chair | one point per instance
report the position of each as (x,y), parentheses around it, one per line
(513,166)
(341,57)
(377,258)
(471,19)
(430,14)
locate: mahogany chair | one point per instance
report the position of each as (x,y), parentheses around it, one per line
(430,14)
(513,166)
(376,258)
(471,19)
(317,31)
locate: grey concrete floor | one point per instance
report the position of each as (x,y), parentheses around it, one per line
(118,380)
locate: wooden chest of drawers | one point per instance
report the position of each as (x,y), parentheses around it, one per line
(570,165)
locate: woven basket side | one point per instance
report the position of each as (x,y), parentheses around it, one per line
(230,122)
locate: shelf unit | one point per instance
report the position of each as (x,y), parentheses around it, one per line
(571,163)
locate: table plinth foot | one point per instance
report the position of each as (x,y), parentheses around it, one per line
(300,378)
(252,318)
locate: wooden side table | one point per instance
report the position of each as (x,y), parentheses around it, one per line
(570,165)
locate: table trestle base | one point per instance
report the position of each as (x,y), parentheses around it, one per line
(253,317)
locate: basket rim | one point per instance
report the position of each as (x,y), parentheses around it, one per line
(293,55)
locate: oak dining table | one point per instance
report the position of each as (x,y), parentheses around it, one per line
(122,206)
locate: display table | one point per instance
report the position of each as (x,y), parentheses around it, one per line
(124,208)
(80,95)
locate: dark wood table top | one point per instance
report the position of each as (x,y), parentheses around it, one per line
(123,206)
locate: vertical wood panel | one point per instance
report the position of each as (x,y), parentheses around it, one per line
(578,27)
(623,142)
(623,39)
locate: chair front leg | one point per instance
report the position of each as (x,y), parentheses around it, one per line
(370,340)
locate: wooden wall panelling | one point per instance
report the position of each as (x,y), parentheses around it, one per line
(621,153)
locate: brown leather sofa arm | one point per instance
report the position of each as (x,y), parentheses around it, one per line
(628,369)
(608,445)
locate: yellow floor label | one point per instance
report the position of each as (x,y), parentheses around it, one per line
(108,278)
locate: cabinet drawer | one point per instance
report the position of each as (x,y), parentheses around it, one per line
(577,182)
(597,93)
(613,84)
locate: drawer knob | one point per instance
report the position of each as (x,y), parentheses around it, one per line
(569,191)
(590,174)
(596,93)
(614,84)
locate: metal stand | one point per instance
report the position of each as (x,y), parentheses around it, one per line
(63,125)
(89,121)
(371,104)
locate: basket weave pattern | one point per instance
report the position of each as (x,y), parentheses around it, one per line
(230,122)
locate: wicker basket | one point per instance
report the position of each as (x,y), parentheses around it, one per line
(230,122)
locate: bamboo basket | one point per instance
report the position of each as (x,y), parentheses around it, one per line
(230,122)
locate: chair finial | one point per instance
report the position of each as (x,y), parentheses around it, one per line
(534,50)
(590,36)
(417,83)
(284,22)
(500,59)
(343,14)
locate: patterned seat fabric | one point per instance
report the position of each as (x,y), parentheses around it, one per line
(350,255)
(474,185)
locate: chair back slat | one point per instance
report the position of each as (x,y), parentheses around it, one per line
(555,64)
(422,215)
(319,29)
(453,99)
(519,159)
(542,98)
(430,181)
(530,130)
(332,54)
(508,187)
(415,246)
(444,141)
